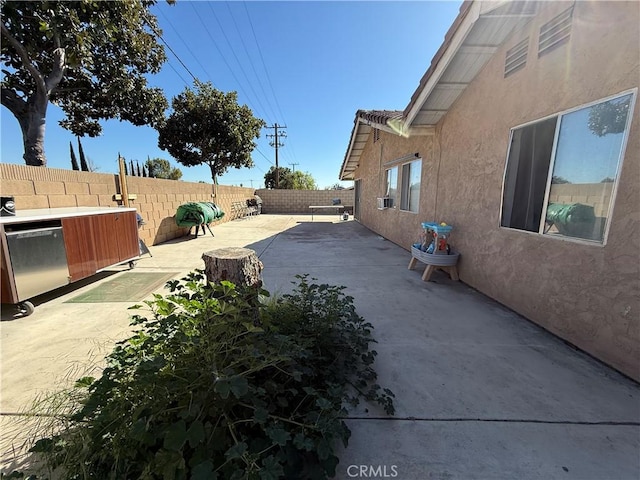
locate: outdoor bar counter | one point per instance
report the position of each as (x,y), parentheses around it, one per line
(47,248)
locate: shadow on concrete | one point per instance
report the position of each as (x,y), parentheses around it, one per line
(13,312)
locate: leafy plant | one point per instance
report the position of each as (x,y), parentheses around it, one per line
(217,384)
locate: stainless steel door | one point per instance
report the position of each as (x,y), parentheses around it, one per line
(38,259)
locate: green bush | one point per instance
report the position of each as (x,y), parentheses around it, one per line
(217,384)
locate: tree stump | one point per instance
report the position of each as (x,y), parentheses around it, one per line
(240,266)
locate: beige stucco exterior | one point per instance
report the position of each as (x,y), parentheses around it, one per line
(586,293)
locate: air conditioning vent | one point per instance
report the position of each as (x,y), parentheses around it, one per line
(384,203)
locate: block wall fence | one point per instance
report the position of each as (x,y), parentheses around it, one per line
(298,201)
(156,199)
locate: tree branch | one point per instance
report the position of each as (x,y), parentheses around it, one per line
(57,71)
(24,56)
(13,102)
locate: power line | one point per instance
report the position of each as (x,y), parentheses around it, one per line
(246,51)
(262,60)
(292,152)
(159,35)
(218,49)
(184,43)
(233,52)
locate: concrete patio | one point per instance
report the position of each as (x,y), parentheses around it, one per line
(481,393)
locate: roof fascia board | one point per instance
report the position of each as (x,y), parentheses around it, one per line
(380,126)
(457,40)
(352,142)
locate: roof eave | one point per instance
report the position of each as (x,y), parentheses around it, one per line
(445,80)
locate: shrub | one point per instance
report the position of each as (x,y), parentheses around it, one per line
(219,385)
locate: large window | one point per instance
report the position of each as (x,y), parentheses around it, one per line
(392,186)
(561,172)
(410,187)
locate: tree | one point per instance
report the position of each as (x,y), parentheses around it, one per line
(285,178)
(559,180)
(89,58)
(289,180)
(161,168)
(83,160)
(335,186)
(303,181)
(609,117)
(131,169)
(208,127)
(74,160)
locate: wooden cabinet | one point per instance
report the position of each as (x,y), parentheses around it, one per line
(95,242)
(127,237)
(78,241)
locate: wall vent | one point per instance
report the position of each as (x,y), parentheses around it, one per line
(516,57)
(555,32)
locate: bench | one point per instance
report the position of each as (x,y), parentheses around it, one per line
(238,210)
(337,208)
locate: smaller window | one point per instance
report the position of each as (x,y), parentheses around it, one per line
(555,32)
(516,57)
(410,187)
(392,186)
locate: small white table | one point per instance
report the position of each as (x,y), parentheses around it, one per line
(313,208)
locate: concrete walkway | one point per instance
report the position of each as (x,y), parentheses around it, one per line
(481,392)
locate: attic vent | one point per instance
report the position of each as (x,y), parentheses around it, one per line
(516,57)
(376,135)
(555,33)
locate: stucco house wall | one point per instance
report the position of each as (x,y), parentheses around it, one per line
(401,227)
(587,293)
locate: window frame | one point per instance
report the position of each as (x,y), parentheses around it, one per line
(405,190)
(614,190)
(392,199)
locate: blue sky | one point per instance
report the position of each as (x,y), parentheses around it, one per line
(307,65)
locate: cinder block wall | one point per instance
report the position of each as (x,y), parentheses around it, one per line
(298,201)
(156,200)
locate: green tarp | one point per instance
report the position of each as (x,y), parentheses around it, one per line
(197,213)
(574,219)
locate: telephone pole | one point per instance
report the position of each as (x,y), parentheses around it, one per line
(294,166)
(277,144)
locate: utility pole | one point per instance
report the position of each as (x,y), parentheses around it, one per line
(276,144)
(294,166)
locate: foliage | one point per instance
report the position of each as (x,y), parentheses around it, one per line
(208,127)
(83,161)
(74,160)
(89,58)
(289,180)
(219,385)
(335,186)
(558,179)
(609,117)
(161,168)
(303,181)
(607,180)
